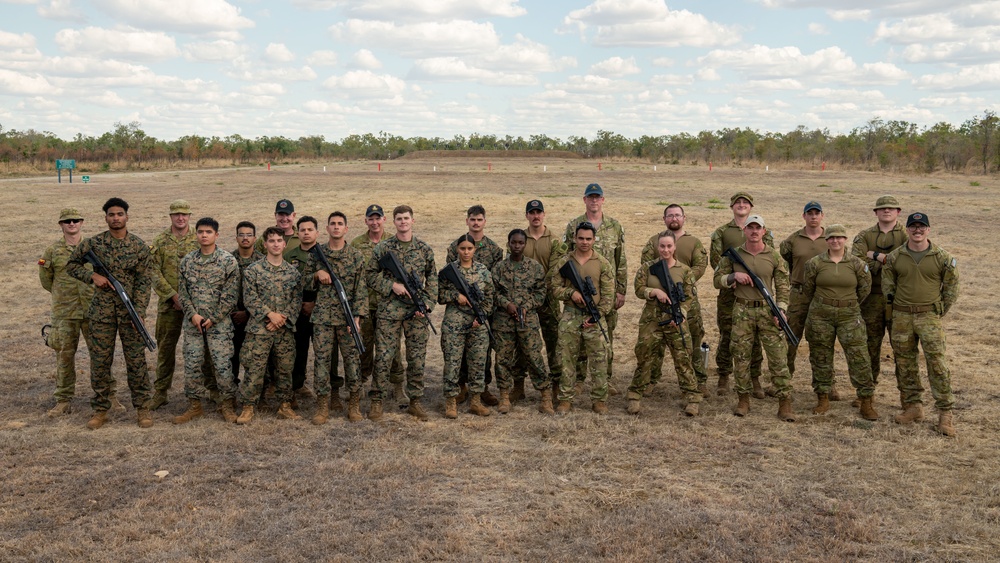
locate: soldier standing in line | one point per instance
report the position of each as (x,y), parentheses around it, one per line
(272,293)
(520,292)
(752,318)
(284,220)
(920,281)
(396,312)
(835,283)
(209,287)
(301,257)
(690,252)
(578,333)
(245,254)
(545,248)
(128,259)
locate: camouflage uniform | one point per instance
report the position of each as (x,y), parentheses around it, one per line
(70,299)
(395,314)
(208,286)
(873,308)
(131,263)
(240,329)
(835,314)
(458,339)
(923,293)
(303,261)
(609,242)
(522,284)
(752,319)
(546,250)
(330,327)
(268,288)
(653,338)
(396,374)
(574,340)
(796,250)
(167,251)
(487,253)
(690,252)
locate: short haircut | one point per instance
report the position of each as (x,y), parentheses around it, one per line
(336,214)
(673,206)
(207,222)
(476,210)
(246,225)
(464,238)
(273,231)
(585,226)
(115,202)
(307,219)
(402,209)
(668,233)
(517,232)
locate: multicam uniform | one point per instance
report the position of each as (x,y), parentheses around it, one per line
(523,285)
(396,375)
(168,251)
(208,286)
(70,299)
(796,250)
(130,262)
(752,319)
(546,250)
(303,260)
(458,339)
(873,307)
(240,329)
(654,339)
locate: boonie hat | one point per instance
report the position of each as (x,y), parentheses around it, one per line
(754,219)
(69,213)
(374,209)
(812,205)
(836,230)
(534,205)
(284,206)
(738,195)
(180,206)
(886,202)
(593,189)
(918,218)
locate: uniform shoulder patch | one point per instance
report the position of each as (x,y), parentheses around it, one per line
(954,263)
(866,267)
(41,261)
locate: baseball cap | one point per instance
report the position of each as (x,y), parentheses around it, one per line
(593,189)
(70,213)
(835,230)
(284,206)
(918,217)
(374,209)
(738,195)
(534,205)
(180,206)
(813,205)
(886,202)
(755,219)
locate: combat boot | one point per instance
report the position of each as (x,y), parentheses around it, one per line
(545,404)
(399,394)
(946,425)
(834,395)
(463,393)
(723,387)
(648,392)
(193,411)
(856,403)
(354,407)
(692,409)
(785,409)
(144,418)
(912,413)
(633,406)
(246,415)
(322,410)
(375,412)
(822,403)
(286,412)
(600,407)
(335,404)
(504,406)
(758,391)
(157,400)
(477,407)
(612,390)
(61,408)
(578,388)
(416,410)
(450,407)
(517,393)
(867,410)
(743,406)
(228,410)
(116,404)
(564,407)
(488,399)
(98,420)
(703,389)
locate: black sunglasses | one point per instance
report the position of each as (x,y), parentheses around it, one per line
(73,221)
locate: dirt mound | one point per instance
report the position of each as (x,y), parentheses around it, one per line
(492,154)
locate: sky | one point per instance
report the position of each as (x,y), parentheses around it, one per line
(440,68)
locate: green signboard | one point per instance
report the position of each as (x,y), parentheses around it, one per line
(65,164)
(86,179)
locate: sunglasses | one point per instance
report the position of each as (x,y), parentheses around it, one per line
(72,221)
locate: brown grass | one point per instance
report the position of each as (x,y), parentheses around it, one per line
(521,486)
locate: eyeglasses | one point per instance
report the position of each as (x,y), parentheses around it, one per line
(245,235)
(673,215)
(71,221)
(917,228)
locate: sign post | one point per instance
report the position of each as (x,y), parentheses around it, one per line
(62,164)
(86,179)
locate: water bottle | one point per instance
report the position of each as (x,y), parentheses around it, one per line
(704,355)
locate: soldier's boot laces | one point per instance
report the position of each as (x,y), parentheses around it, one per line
(504,406)
(822,403)
(416,410)
(322,413)
(946,425)
(743,406)
(246,415)
(193,411)
(477,407)
(228,410)
(758,391)
(144,418)
(545,404)
(116,404)
(451,407)
(913,413)
(98,420)
(692,409)
(867,409)
(61,408)
(354,407)
(286,412)
(785,409)
(375,412)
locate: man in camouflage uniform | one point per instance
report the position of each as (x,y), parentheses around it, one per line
(331,331)
(396,310)
(752,318)
(128,259)
(609,242)
(272,293)
(578,335)
(690,252)
(727,236)
(169,247)
(544,247)
(245,254)
(301,257)
(209,289)
(920,281)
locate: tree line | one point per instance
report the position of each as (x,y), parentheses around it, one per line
(878,144)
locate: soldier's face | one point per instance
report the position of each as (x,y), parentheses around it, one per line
(206,236)
(836,244)
(918,232)
(742,207)
(403,222)
(594,203)
(813,218)
(535,218)
(476,223)
(753,232)
(336,228)
(71,227)
(584,240)
(116,217)
(179,221)
(465,251)
(274,245)
(284,221)
(666,247)
(516,245)
(674,219)
(374,222)
(308,233)
(887,214)
(245,237)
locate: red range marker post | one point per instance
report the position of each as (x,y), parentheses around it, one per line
(709,166)
(824,166)
(489,166)
(380,167)
(268,165)
(598,165)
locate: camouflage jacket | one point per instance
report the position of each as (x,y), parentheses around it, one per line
(168,251)
(129,261)
(448,295)
(730,235)
(841,273)
(417,258)
(689,251)
(523,284)
(653,310)
(70,297)
(366,246)
(268,289)
(243,263)
(932,281)
(209,286)
(562,289)
(769,266)
(875,240)
(609,242)
(349,265)
(487,253)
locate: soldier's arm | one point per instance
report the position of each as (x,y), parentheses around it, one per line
(374,277)
(230,292)
(568,237)
(809,273)
(769,238)
(158,262)
(452,254)
(557,289)
(489,292)
(650,251)
(359,293)
(184,293)
(699,260)
(430,280)
(860,249)
(252,298)
(722,272)
(446,293)
(889,275)
(502,291)
(715,249)
(559,249)
(76,266)
(864,277)
(621,264)
(639,283)
(785,250)
(949,283)
(144,278)
(46,272)
(689,283)
(295,298)
(608,290)
(782,284)
(536,288)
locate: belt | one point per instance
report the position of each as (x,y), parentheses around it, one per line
(838,302)
(751,302)
(913,308)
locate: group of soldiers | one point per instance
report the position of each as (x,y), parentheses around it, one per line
(264,304)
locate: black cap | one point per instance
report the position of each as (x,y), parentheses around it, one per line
(374,209)
(284,206)
(918,217)
(813,205)
(534,205)
(593,189)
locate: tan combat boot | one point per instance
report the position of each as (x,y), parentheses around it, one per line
(834,395)
(98,420)
(612,390)
(545,404)
(61,408)
(822,403)
(246,415)
(649,390)
(335,404)
(322,410)
(912,413)
(116,404)
(477,407)
(354,407)
(517,393)
(450,407)
(144,418)
(867,410)
(504,405)
(785,409)
(703,389)
(193,411)
(158,399)
(723,387)
(228,410)
(743,406)
(463,393)
(375,412)
(946,425)
(286,412)
(758,391)
(692,409)
(488,399)
(600,407)
(416,409)
(633,406)
(564,407)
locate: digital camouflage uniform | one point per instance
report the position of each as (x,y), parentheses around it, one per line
(396,374)
(268,288)
(168,251)
(923,293)
(523,285)
(303,262)
(690,252)
(574,340)
(546,250)
(654,339)
(487,253)
(797,249)
(70,300)
(130,262)
(209,286)
(873,308)
(835,291)
(395,314)
(330,327)
(458,339)
(752,319)
(240,329)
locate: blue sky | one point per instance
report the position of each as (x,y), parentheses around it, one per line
(518,67)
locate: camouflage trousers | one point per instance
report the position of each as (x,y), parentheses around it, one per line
(458,341)
(723,355)
(610,321)
(828,324)
(102,354)
(280,346)
(574,341)
(798,310)
(168,332)
(64,338)
(327,341)
(388,334)
(548,317)
(199,377)
(520,351)
(396,374)
(650,348)
(694,332)
(873,313)
(755,324)
(909,330)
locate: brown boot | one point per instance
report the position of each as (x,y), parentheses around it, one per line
(633,406)
(451,407)
(834,395)
(612,390)
(61,408)
(354,407)
(116,404)
(723,387)
(758,391)
(98,420)
(517,393)
(822,403)
(286,412)
(785,409)
(648,392)
(856,403)
(228,410)
(246,415)
(158,399)
(564,407)
(578,388)
(193,411)
(600,407)
(743,406)
(375,411)
(867,410)
(335,404)
(144,418)
(488,399)
(504,406)
(703,389)
(322,410)
(463,393)
(946,425)
(476,406)
(692,409)
(545,404)
(912,413)
(416,410)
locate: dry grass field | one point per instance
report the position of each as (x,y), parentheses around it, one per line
(519,486)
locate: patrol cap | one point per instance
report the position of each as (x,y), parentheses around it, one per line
(534,205)
(180,206)
(835,230)
(374,209)
(70,213)
(755,219)
(593,189)
(918,218)
(886,202)
(284,206)
(812,205)
(738,195)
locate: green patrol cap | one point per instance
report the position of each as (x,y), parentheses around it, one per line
(886,202)
(180,206)
(70,213)
(738,195)
(835,230)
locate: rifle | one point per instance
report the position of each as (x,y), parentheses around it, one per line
(759,284)
(675,293)
(586,289)
(101,269)
(471,292)
(521,314)
(342,297)
(410,282)
(207,352)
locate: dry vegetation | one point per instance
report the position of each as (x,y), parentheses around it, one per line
(521,486)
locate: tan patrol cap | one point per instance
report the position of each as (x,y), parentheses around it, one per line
(886,202)
(835,230)
(180,206)
(738,195)
(754,219)
(70,213)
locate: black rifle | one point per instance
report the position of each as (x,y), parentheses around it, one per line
(586,289)
(759,285)
(342,297)
(675,293)
(521,314)
(411,283)
(471,292)
(101,269)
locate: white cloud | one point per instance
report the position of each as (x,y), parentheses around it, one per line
(14,47)
(38,103)
(523,55)
(761,61)
(672,80)
(773,84)
(885,8)
(664,62)
(976,77)
(278,53)
(818,29)
(364,58)
(61,10)
(191,16)
(845,94)
(882,73)
(455,69)
(433,9)
(366,84)
(849,15)
(648,23)
(220,50)
(322,58)
(454,37)
(615,67)
(19,84)
(922,29)
(107,98)
(127,43)
(264,89)
(708,74)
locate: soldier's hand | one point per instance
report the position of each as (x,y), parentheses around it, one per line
(619,300)
(176,303)
(400,290)
(475,323)
(742,278)
(239,317)
(659,295)
(270,326)
(307,308)
(462,300)
(512,310)
(196,320)
(207,324)
(277,319)
(100,281)
(323,277)
(577,298)
(357,323)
